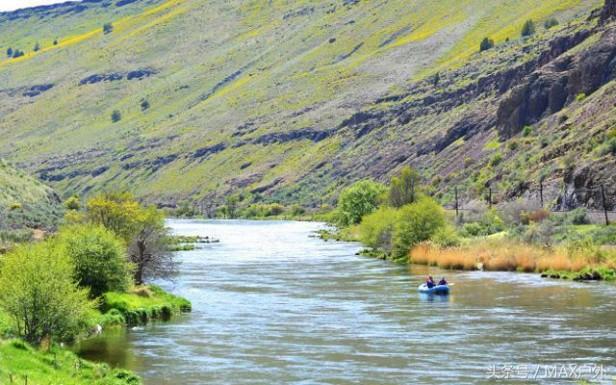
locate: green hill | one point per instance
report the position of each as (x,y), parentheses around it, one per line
(25,202)
(188,100)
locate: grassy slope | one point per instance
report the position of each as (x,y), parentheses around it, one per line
(20,361)
(288,66)
(24,201)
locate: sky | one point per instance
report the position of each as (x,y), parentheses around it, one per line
(9,5)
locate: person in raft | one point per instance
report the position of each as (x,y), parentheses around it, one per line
(442,282)
(430,282)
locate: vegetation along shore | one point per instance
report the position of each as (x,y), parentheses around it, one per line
(403,223)
(88,275)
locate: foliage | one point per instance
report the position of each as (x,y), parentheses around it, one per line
(144,304)
(107,28)
(116,116)
(403,189)
(446,236)
(37,47)
(145,105)
(262,210)
(528,28)
(550,23)
(377,229)
(359,199)
(416,223)
(486,44)
(489,223)
(99,258)
(56,366)
(38,291)
(72,203)
(142,228)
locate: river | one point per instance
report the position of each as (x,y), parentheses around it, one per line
(272,305)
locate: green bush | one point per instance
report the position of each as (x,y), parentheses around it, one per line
(377,229)
(416,223)
(361,198)
(38,291)
(528,28)
(551,22)
(116,116)
(403,188)
(99,257)
(446,236)
(107,28)
(486,44)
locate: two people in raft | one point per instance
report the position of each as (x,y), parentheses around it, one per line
(430,282)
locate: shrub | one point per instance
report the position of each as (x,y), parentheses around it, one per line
(377,229)
(403,188)
(528,28)
(416,223)
(580,97)
(145,105)
(38,291)
(609,147)
(107,28)
(446,236)
(37,47)
(72,203)
(9,52)
(99,258)
(551,22)
(486,44)
(360,199)
(496,159)
(527,130)
(55,42)
(116,116)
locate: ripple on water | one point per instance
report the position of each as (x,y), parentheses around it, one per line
(275,306)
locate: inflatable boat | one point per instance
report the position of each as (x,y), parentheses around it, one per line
(438,289)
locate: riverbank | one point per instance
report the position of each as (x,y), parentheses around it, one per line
(24,364)
(584,263)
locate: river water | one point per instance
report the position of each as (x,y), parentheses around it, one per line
(272,305)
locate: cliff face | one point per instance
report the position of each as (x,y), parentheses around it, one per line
(557,84)
(609,10)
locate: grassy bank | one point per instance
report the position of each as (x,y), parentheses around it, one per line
(580,262)
(142,305)
(21,364)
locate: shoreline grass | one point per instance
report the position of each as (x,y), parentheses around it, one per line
(577,263)
(142,305)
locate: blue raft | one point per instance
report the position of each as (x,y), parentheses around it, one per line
(438,289)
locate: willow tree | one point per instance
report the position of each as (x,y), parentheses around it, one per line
(143,230)
(403,188)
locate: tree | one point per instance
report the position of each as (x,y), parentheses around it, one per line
(18,53)
(551,22)
(99,258)
(9,52)
(376,230)
(486,44)
(37,47)
(145,105)
(403,189)
(107,28)
(72,203)
(416,223)
(149,248)
(116,116)
(55,41)
(528,28)
(142,228)
(359,199)
(38,292)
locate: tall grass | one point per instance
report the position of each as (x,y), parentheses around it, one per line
(504,255)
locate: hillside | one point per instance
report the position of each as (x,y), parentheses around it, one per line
(187,100)
(26,202)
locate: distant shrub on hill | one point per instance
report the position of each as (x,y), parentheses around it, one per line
(486,44)
(9,52)
(528,28)
(145,105)
(37,47)
(107,28)
(116,116)
(551,22)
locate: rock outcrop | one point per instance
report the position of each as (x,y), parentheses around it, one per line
(557,84)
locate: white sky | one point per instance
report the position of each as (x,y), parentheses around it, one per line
(9,5)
